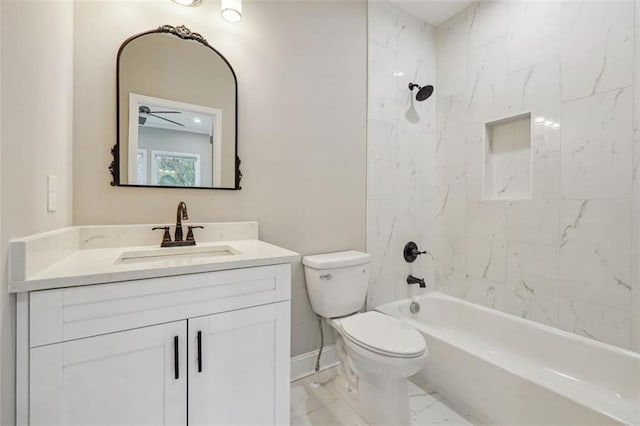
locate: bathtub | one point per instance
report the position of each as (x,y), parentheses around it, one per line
(503,369)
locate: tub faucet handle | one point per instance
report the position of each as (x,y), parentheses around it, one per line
(411,252)
(414,280)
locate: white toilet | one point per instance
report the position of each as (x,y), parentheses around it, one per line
(377,352)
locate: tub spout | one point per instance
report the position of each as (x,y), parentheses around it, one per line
(413,280)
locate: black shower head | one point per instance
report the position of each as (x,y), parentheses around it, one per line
(424,92)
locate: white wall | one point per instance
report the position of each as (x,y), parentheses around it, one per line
(635,260)
(301,70)
(36,135)
(400,150)
(6,337)
(564,257)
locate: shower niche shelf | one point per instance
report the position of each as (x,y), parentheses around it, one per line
(507,158)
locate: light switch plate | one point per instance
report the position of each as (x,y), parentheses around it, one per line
(52,193)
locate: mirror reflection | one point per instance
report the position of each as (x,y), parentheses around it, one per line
(175,144)
(177,125)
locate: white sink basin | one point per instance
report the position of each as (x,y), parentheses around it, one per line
(179,253)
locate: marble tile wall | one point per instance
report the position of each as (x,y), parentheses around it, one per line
(564,256)
(400,150)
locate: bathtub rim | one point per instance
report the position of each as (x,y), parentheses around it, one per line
(557,331)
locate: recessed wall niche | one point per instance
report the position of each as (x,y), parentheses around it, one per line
(507,158)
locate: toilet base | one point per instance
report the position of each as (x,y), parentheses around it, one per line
(379,400)
(378,407)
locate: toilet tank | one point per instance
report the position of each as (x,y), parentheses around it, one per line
(337,282)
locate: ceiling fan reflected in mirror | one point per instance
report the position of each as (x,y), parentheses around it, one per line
(144,112)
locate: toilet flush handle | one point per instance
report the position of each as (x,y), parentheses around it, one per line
(326,277)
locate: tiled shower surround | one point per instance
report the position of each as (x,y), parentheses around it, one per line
(400,150)
(564,257)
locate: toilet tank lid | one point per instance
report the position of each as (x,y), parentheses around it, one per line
(336,260)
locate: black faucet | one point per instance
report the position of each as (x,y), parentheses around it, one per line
(413,280)
(180,216)
(178,239)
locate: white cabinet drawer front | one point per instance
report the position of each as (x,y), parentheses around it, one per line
(77,312)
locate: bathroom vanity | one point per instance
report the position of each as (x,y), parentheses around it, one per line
(111,329)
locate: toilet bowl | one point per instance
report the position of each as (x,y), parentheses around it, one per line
(381,358)
(377,352)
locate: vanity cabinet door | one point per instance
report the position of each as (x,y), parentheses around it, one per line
(242,374)
(132,377)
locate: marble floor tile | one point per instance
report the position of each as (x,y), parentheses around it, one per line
(337,413)
(314,402)
(306,399)
(429,408)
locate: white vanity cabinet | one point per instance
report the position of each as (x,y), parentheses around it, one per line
(200,349)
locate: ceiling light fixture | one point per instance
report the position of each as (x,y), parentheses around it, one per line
(188,2)
(231,10)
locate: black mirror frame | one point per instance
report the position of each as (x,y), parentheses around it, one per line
(185,34)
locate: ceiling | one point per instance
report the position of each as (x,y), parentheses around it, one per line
(192,122)
(433,12)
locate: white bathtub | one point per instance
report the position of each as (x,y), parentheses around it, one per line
(508,370)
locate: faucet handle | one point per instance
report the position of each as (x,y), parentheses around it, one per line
(190,236)
(166,238)
(411,252)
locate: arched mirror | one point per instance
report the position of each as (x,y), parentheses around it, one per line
(177,113)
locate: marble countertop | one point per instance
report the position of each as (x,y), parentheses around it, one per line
(83,265)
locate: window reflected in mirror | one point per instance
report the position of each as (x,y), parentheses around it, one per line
(175,143)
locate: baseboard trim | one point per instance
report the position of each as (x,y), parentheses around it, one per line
(304,365)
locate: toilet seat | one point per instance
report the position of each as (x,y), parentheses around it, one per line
(383,334)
